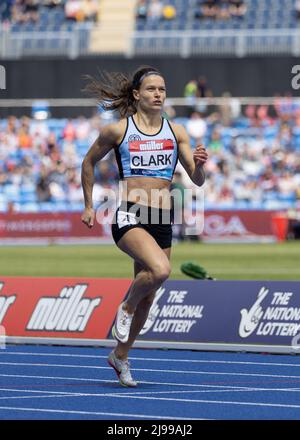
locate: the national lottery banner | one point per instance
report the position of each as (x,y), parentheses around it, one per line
(258,313)
(229,312)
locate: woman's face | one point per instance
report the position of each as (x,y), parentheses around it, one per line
(151,94)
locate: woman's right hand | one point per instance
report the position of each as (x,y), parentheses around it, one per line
(88,217)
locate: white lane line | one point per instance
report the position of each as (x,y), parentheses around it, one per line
(33,397)
(222,390)
(190,401)
(16,390)
(116,395)
(152,370)
(62,411)
(188,385)
(219,402)
(87,379)
(196,361)
(74,394)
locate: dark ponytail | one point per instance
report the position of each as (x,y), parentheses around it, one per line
(114,91)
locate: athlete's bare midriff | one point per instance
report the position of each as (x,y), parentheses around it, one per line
(147,191)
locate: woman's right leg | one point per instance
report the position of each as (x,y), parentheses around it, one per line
(154,269)
(141,246)
(140,315)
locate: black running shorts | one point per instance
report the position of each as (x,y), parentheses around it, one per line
(157,222)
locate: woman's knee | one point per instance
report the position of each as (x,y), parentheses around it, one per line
(161,272)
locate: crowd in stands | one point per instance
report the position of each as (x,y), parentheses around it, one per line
(220,9)
(25,11)
(254,159)
(155,10)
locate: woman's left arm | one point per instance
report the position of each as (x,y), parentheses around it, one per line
(192,161)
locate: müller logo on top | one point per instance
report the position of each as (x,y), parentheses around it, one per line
(152,145)
(68,312)
(163,144)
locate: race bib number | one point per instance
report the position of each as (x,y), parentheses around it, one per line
(126,219)
(151,155)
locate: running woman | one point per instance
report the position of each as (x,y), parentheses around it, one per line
(147,147)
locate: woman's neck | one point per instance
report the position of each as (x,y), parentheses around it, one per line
(147,120)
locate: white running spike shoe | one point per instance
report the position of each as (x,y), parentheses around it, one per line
(121,328)
(122,368)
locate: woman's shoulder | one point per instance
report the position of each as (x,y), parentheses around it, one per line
(115,129)
(178,129)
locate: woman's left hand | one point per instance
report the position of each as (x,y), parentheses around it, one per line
(200,155)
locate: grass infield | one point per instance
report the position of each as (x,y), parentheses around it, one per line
(276,261)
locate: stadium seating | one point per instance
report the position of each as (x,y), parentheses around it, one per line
(260,15)
(247,148)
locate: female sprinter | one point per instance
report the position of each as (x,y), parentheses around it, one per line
(147,147)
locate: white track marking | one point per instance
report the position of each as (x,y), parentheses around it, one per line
(200,361)
(223,390)
(190,401)
(152,370)
(87,379)
(61,411)
(188,385)
(33,397)
(137,393)
(219,402)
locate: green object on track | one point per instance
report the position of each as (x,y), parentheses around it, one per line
(195,271)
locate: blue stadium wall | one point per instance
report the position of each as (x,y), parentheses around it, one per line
(61,78)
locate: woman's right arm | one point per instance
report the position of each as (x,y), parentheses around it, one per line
(107,140)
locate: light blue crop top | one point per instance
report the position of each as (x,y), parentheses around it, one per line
(143,155)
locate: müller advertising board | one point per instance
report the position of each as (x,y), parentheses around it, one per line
(59,307)
(212,315)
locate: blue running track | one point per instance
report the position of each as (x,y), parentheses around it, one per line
(51,382)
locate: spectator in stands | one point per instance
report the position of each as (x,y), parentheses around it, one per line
(229,110)
(297,9)
(237,8)
(90,9)
(202,89)
(196,128)
(169,12)
(69,132)
(42,186)
(5,10)
(52,3)
(74,186)
(24,137)
(31,10)
(209,9)
(190,89)
(155,11)
(18,12)
(141,10)
(73,10)
(223,10)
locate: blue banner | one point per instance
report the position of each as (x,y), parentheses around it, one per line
(230,312)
